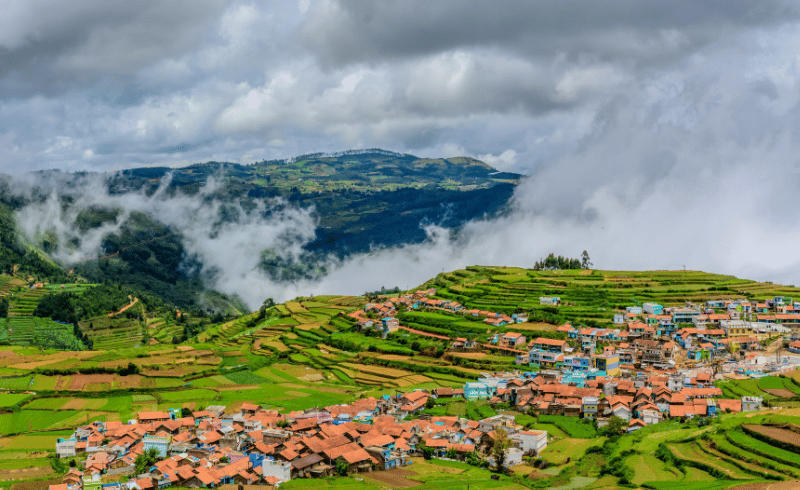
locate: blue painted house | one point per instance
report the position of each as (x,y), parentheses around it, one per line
(474,391)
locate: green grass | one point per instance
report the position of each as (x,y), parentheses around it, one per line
(771,383)
(40,332)
(208,382)
(188,395)
(343,377)
(558,452)
(744,441)
(34,420)
(46,404)
(791,385)
(552,430)
(21,383)
(722,444)
(246,377)
(335,483)
(10,399)
(573,426)
(648,468)
(14,464)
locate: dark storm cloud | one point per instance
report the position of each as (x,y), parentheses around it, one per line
(49,48)
(351,31)
(114,84)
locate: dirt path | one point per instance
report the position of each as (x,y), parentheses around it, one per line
(124,308)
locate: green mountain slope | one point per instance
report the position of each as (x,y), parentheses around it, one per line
(362,199)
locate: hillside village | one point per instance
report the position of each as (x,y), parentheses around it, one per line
(656,363)
(650,368)
(389,389)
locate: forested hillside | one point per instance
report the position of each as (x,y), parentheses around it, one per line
(359,200)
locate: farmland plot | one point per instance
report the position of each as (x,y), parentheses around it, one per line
(782,435)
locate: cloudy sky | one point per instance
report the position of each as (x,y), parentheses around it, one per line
(679,117)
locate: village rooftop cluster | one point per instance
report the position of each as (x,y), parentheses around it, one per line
(656,363)
(255,446)
(645,336)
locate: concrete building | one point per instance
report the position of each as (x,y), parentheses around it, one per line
(473,391)
(684,315)
(589,406)
(160,444)
(65,448)
(282,470)
(652,308)
(531,441)
(737,328)
(751,403)
(608,363)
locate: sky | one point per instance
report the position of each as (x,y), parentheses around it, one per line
(653,134)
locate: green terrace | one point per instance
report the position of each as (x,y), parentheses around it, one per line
(590,295)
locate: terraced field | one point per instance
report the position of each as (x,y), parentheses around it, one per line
(693,452)
(112,333)
(584,293)
(784,436)
(43,332)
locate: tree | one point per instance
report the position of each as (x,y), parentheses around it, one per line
(140,464)
(145,460)
(186,412)
(3,307)
(130,369)
(452,453)
(501,444)
(427,452)
(615,427)
(585,262)
(429,403)
(341,467)
(474,459)
(551,262)
(58,466)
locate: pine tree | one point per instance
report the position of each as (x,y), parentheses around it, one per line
(585,262)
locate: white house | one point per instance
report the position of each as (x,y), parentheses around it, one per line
(513,456)
(65,448)
(282,470)
(622,411)
(650,415)
(534,441)
(751,403)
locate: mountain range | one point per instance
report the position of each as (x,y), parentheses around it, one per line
(359,200)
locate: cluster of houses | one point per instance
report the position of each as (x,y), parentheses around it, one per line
(422,300)
(641,399)
(255,446)
(726,314)
(645,335)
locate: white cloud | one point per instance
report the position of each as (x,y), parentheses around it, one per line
(649,117)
